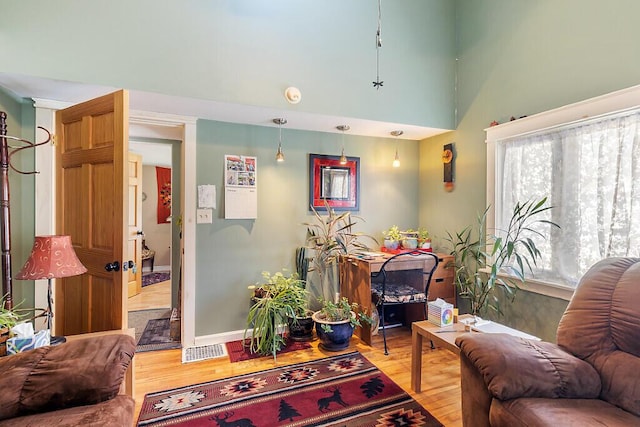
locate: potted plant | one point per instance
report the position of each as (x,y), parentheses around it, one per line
(424,239)
(276,300)
(8,319)
(409,239)
(335,323)
(484,261)
(330,237)
(392,238)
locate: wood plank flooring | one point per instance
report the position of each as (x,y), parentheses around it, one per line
(162,370)
(157,295)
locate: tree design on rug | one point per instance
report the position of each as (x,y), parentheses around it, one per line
(286,411)
(372,387)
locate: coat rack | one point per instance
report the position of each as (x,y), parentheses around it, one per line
(6,152)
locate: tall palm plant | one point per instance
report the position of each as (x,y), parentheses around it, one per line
(331,236)
(484,261)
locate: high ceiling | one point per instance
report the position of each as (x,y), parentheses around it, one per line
(70,92)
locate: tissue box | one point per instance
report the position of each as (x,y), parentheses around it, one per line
(440,313)
(17,345)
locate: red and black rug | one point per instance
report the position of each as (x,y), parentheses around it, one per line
(239,350)
(336,391)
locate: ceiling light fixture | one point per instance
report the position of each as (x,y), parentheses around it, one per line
(343,128)
(396,160)
(279,153)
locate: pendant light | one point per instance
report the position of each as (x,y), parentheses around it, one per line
(396,160)
(279,153)
(343,128)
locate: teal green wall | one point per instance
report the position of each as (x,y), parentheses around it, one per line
(231,254)
(247,52)
(515,58)
(20,122)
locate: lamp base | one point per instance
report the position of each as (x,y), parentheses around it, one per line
(57,340)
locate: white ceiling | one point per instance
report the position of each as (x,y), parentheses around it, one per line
(70,92)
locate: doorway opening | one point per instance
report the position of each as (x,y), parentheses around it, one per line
(152,311)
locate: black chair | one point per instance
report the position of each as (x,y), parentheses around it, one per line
(388,292)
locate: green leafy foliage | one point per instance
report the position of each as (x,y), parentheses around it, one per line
(280,297)
(484,261)
(343,310)
(331,236)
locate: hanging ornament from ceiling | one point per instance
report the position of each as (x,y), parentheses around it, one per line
(378,83)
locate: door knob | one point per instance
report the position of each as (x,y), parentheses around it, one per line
(112,266)
(127,265)
(140,233)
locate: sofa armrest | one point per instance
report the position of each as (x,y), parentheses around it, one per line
(76,373)
(515,367)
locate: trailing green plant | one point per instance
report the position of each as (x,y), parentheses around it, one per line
(483,261)
(331,236)
(343,310)
(275,300)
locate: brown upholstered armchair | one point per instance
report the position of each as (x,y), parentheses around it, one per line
(78,383)
(591,377)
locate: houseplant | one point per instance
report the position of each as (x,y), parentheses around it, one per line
(424,239)
(330,237)
(335,323)
(484,261)
(409,239)
(277,299)
(392,237)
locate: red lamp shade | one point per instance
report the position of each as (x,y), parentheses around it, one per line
(51,257)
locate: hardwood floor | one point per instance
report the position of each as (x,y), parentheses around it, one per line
(162,370)
(157,295)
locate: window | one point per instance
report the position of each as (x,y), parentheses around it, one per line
(590,171)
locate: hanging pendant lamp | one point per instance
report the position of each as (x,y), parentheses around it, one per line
(279,153)
(343,128)
(396,160)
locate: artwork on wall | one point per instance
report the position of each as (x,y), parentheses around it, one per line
(163,178)
(337,183)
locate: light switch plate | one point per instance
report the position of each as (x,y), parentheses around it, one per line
(204,216)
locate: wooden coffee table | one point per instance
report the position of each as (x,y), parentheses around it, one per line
(445,337)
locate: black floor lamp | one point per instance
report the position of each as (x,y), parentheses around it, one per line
(52,257)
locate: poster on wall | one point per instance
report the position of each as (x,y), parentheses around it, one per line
(163,178)
(241,189)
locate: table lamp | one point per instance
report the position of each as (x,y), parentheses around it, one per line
(52,257)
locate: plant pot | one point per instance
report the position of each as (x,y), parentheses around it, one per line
(410,243)
(339,337)
(391,244)
(426,244)
(301,329)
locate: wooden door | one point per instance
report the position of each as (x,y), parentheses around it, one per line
(91,207)
(134,234)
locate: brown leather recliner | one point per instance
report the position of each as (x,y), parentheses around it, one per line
(591,377)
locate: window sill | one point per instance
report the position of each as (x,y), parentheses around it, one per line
(541,287)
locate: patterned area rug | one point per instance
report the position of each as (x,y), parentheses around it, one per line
(153,278)
(157,336)
(238,352)
(138,319)
(336,391)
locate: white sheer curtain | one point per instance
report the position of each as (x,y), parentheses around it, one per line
(590,173)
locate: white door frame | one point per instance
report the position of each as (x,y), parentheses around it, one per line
(45,186)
